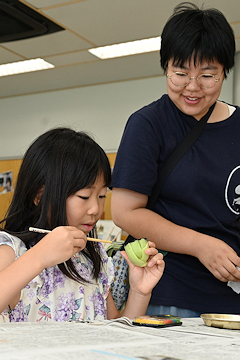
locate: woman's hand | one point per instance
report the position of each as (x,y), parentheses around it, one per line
(220,259)
(143,279)
(59,245)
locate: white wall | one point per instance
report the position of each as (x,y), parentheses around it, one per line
(101,110)
(236,83)
(227,89)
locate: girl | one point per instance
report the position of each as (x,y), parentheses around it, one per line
(61,276)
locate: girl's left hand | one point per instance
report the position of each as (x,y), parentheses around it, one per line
(143,279)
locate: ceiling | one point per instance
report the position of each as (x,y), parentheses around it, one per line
(93,23)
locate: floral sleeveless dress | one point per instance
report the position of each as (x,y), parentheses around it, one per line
(52,296)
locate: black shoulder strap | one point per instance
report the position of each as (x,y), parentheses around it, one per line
(172,161)
(176,155)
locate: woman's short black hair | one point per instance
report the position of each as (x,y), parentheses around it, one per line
(201,35)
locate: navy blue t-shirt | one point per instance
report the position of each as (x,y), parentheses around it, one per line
(201,193)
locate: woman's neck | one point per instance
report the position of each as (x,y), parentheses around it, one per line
(220,113)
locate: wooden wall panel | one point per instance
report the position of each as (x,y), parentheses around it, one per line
(14,165)
(5,199)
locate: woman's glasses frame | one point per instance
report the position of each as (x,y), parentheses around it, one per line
(198,79)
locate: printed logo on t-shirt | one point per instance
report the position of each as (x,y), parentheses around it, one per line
(232,191)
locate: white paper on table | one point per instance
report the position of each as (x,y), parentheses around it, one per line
(235,285)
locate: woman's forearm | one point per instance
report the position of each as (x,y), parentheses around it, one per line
(166,235)
(130,213)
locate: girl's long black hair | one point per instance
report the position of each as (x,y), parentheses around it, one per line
(60,162)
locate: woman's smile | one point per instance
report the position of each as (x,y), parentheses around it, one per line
(192,99)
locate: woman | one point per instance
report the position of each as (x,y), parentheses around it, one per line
(196,218)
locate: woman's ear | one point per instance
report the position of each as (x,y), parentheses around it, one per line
(39,195)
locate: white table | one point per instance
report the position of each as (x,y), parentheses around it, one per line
(191,341)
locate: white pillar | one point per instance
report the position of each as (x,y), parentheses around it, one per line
(236,81)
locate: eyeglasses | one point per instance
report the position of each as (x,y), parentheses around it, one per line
(181,79)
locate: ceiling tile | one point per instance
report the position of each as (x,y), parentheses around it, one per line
(7,56)
(99,72)
(106,22)
(71,58)
(39,4)
(40,46)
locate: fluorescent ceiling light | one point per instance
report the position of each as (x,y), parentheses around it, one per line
(128,48)
(20,67)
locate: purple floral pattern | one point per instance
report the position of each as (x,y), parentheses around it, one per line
(51,296)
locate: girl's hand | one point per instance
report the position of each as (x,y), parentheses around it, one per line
(143,279)
(60,245)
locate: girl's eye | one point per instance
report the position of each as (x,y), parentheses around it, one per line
(102,196)
(83,197)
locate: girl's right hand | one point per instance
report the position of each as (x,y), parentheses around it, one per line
(56,247)
(59,245)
